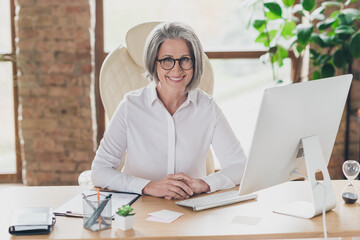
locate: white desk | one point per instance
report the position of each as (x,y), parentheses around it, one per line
(250,220)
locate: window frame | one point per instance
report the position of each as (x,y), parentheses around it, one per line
(14,177)
(100,56)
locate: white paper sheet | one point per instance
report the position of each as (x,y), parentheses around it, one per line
(164,216)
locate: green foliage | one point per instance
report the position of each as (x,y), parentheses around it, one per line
(308,5)
(125,210)
(286,26)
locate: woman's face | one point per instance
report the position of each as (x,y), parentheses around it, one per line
(176,78)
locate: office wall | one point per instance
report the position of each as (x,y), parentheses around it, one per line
(55,42)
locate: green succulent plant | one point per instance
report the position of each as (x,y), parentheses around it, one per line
(125,210)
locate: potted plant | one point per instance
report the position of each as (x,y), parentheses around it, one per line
(330,30)
(124,218)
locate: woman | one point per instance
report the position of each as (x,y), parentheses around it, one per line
(166,128)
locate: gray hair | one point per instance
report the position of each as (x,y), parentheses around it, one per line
(173,30)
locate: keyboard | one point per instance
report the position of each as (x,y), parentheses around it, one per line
(215,200)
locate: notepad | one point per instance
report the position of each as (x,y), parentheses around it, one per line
(29,221)
(164,216)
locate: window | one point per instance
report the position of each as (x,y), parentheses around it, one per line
(221,26)
(10,165)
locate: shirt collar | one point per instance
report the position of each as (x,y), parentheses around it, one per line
(152,92)
(192,95)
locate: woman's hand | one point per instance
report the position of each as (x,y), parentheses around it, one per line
(198,186)
(174,186)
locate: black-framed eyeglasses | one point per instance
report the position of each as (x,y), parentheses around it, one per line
(168,63)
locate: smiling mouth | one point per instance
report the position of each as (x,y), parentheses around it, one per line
(176,78)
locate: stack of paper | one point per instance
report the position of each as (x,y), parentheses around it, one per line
(164,216)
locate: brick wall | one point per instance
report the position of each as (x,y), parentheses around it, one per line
(55,79)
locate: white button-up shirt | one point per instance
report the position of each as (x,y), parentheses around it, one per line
(157,144)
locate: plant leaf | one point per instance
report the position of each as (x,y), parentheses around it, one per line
(308,5)
(325,24)
(345,19)
(288,3)
(288,29)
(344,29)
(300,47)
(271,16)
(279,54)
(304,33)
(354,45)
(348,54)
(334,14)
(263,38)
(274,8)
(327,4)
(259,24)
(125,210)
(353,12)
(316,75)
(327,40)
(327,70)
(318,40)
(322,59)
(313,54)
(317,14)
(339,58)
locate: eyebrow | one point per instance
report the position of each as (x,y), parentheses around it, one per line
(171,56)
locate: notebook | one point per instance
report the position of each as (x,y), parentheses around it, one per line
(32,221)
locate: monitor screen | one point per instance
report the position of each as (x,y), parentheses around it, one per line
(288,114)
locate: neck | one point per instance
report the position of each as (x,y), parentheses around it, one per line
(172,99)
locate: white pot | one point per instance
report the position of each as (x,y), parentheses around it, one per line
(124,223)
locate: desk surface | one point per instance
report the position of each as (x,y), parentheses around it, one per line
(250,220)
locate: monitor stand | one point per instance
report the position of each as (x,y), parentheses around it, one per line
(314,160)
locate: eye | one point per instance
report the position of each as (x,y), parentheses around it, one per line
(168,60)
(185,59)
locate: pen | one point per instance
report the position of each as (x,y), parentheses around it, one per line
(72,214)
(98,199)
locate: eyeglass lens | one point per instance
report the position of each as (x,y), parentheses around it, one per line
(168,63)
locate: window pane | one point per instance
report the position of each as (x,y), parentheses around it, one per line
(7,128)
(220,25)
(239,85)
(5,39)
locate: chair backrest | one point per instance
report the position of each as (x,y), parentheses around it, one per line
(123,69)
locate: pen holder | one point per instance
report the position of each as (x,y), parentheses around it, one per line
(97,213)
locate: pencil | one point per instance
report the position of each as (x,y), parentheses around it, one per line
(98,199)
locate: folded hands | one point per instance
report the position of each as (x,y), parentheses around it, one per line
(176,186)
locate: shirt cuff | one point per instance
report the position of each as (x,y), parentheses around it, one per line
(218,181)
(213,182)
(129,183)
(138,185)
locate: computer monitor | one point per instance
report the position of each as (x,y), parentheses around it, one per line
(293,119)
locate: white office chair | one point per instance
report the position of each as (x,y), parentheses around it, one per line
(122,71)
